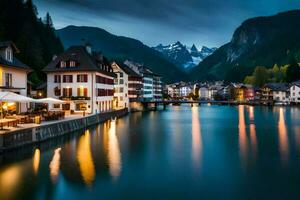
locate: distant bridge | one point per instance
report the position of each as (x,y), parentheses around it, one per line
(164,103)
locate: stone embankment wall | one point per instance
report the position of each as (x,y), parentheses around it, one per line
(44,132)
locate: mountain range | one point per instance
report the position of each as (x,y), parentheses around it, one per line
(122,48)
(260,41)
(183,56)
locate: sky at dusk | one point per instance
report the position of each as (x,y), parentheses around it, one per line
(209,22)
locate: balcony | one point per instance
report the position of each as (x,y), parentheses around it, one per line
(74,98)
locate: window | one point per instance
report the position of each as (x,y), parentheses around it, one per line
(121,81)
(57,79)
(82,78)
(57,91)
(103,80)
(121,98)
(63,64)
(81,106)
(67,78)
(8,79)
(67,92)
(121,74)
(82,92)
(9,55)
(56,105)
(121,90)
(72,64)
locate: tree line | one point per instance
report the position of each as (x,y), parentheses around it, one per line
(35,37)
(277,74)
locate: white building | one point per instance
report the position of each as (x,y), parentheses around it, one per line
(203,93)
(13,75)
(121,99)
(295,92)
(152,85)
(82,78)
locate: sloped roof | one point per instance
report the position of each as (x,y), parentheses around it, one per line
(6,44)
(277,86)
(85,61)
(296,83)
(15,63)
(127,69)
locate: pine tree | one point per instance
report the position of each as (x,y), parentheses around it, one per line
(293,70)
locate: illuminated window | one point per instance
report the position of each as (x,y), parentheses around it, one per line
(72,63)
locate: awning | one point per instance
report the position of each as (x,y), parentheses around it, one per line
(50,100)
(13,97)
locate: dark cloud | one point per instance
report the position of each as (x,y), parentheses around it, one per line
(209,22)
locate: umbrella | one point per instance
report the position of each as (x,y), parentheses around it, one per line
(50,100)
(13,97)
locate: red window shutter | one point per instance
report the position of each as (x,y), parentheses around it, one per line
(71,79)
(78,78)
(78,92)
(64,78)
(85,92)
(70,89)
(85,78)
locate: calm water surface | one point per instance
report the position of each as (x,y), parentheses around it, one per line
(207,152)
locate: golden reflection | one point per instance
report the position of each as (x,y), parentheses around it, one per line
(251,113)
(36,160)
(196,137)
(114,155)
(243,143)
(283,137)
(85,159)
(9,180)
(54,165)
(253,139)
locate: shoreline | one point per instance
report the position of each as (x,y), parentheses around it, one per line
(41,133)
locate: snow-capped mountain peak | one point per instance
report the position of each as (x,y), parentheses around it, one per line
(184,56)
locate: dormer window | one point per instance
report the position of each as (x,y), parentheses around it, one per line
(9,55)
(63,64)
(72,64)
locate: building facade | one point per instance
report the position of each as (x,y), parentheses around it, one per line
(13,75)
(121,98)
(84,79)
(294,90)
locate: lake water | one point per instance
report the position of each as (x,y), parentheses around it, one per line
(206,152)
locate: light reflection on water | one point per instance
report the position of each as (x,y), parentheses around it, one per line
(85,158)
(196,138)
(55,165)
(36,160)
(283,137)
(158,152)
(114,155)
(243,141)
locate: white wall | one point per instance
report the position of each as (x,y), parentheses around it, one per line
(95,104)
(295,94)
(19,80)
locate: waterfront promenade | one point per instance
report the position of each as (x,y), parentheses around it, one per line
(33,133)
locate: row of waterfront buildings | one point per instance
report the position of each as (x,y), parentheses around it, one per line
(270,93)
(86,80)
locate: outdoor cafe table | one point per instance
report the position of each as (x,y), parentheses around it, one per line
(8,122)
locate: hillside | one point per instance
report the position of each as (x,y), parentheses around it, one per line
(34,37)
(261,41)
(121,48)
